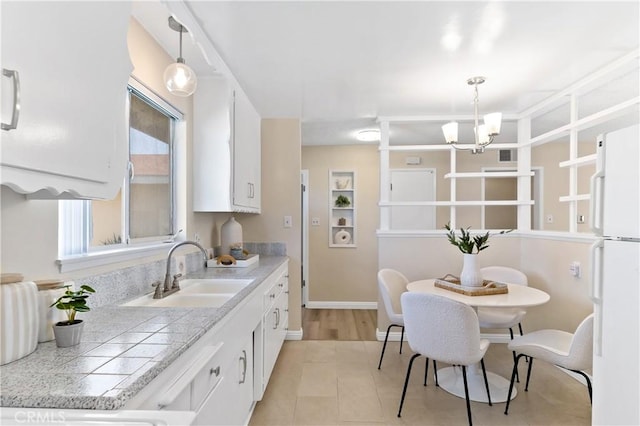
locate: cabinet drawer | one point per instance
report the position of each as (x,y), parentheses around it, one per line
(206,380)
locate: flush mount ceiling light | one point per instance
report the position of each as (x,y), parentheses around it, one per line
(484,133)
(368,135)
(178,77)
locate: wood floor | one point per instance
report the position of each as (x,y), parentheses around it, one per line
(339,324)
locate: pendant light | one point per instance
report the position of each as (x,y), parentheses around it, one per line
(179,78)
(484,133)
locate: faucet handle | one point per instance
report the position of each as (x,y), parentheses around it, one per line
(176,282)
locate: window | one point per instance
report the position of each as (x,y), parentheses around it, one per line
(144,210)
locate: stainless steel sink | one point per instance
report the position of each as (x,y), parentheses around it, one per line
(196,293)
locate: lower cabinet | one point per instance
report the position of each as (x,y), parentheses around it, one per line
(230,399)
(274,325)
(222,375)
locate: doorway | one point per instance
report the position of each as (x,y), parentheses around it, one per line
(413,185)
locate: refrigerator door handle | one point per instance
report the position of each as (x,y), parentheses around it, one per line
(595,293)
(595,216)
(595,289)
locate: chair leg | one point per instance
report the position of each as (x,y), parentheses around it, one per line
(466,394)
(514,354)
(406,382)
(385,345)
(526,388)
(401,339)
(520,328)
(435,373)
(486,382)
(513,379)
(588,384)
(426,371)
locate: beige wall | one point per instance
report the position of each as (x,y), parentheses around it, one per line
(343,274)
(280,195)
(29,239)
(556,183)
(544,261)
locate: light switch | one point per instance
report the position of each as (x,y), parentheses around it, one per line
(315,221)
(288,222)
(574,269)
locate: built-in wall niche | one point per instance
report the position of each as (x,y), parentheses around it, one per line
(342,208)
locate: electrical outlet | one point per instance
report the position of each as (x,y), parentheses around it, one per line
(196,237)
(574,269)
(288,222)
(315,221)
(549,218)
(580,218)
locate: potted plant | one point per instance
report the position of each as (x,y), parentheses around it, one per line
(342,201)
(467,243)
(69,332)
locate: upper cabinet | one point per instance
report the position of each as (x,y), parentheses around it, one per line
(246,154)
(226,149)
(65,71)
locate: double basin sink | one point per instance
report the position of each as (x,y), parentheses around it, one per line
(196,293)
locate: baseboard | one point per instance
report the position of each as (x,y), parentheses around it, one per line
(394,336)
(341,305)
(294,335)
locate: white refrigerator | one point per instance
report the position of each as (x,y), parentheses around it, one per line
(615,281)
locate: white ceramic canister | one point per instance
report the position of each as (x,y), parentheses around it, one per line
(48,292)
(230,233)
(18,320)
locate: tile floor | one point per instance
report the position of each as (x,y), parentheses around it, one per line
(338,383)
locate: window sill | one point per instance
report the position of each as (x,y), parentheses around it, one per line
(107,257)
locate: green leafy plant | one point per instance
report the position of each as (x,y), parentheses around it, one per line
(467,242)
(72,302)
(342,201)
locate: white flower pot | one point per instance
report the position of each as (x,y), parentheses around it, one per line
(470,275)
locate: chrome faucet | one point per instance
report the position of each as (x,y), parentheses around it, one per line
(169,286)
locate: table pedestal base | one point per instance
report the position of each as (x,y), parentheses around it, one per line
(450,379)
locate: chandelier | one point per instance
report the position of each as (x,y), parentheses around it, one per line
(484,133)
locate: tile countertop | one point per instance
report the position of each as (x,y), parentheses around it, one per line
(122,350)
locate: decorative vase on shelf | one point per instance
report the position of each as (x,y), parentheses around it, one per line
(470,275)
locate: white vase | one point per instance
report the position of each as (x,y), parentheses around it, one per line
(230,233)
(470,275)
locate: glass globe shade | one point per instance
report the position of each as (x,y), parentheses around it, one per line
(180,79)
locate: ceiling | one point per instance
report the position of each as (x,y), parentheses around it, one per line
(338,65)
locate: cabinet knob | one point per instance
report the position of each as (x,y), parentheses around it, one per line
(215,371)
(272,295)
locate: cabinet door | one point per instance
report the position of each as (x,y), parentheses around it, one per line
(246,154)
(229,403)
(212,150)
(73,65)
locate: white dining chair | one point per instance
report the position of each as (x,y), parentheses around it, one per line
(572,352)
(503,317)
(446,330)
(392,284)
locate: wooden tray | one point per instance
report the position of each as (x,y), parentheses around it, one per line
(452,283)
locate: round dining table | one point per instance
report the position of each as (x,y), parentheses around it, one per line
(450,378)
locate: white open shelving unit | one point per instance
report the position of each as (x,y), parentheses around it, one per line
(342,220)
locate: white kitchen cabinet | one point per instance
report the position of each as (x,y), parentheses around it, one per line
(231,399)
(275,324)
(246,154)
(221,376)
(68,96)
(226,149)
